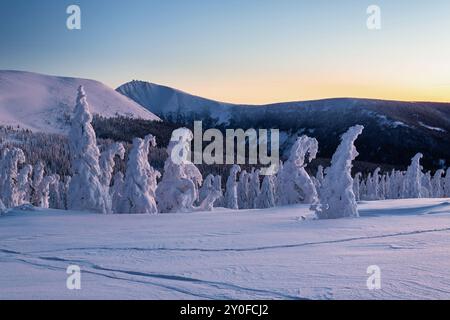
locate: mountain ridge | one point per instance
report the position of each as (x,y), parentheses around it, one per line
(394,130)
(44,103)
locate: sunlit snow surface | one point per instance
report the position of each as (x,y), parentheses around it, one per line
(255,254)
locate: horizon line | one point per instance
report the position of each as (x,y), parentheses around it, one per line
(235,103)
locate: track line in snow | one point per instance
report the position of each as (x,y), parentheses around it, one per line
(176,278)
(274,247)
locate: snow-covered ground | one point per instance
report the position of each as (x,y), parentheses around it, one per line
(44,103)
(253,254)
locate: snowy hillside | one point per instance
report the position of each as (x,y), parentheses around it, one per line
(253,254)
(44,103)
(394,130)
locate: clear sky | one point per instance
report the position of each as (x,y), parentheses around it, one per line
(248,51)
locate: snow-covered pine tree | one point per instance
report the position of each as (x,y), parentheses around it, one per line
(294,185)
(2,207)
(10,189)
(117,190)
(56,200)
(177,190)
(447,183)
(220,201)
(207,188)
(336,197)
(254,188)
(243,190)
(44,201)
(107,162)
(86,192)
(437,184)
(356,185)
(266,198)
(231,195)
(319,175)
(140,179)
(38,176)
(412,183)
(24,184)
(426,187)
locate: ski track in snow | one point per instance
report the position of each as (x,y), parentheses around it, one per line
(255,254)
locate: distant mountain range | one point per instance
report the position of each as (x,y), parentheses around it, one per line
(44,103)
(394,130)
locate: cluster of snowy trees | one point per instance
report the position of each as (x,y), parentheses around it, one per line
(28,185)
(412,183)
(97,186)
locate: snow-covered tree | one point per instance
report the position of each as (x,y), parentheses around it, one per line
(254,188)
(207,188)
(107,162)
(140,179)
(231,195)
(266,198)
(243,190)
(2,207)
(10,188)
(117,190)
(336,197)
(436,184)
(356,185)
(38,176)
(56,198)
(24,184)
(412,184)
(426,187)
(177,190)
(376,184)
(86,192)
(294,185)
(220,201)
(44,201)
(447,184)
(319,175)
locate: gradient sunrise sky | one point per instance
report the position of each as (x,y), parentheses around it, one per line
(246,51)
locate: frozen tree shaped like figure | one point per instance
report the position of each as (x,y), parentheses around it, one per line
(11,161)
(86,192)
(140,180)
(336,197)
(412,183)
(294,183)
(231,195)
(177,191)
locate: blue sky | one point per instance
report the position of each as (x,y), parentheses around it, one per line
(249,51)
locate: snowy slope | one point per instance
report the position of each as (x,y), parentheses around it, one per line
(253,254)
(394,130)
(44,103)
(171,103)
